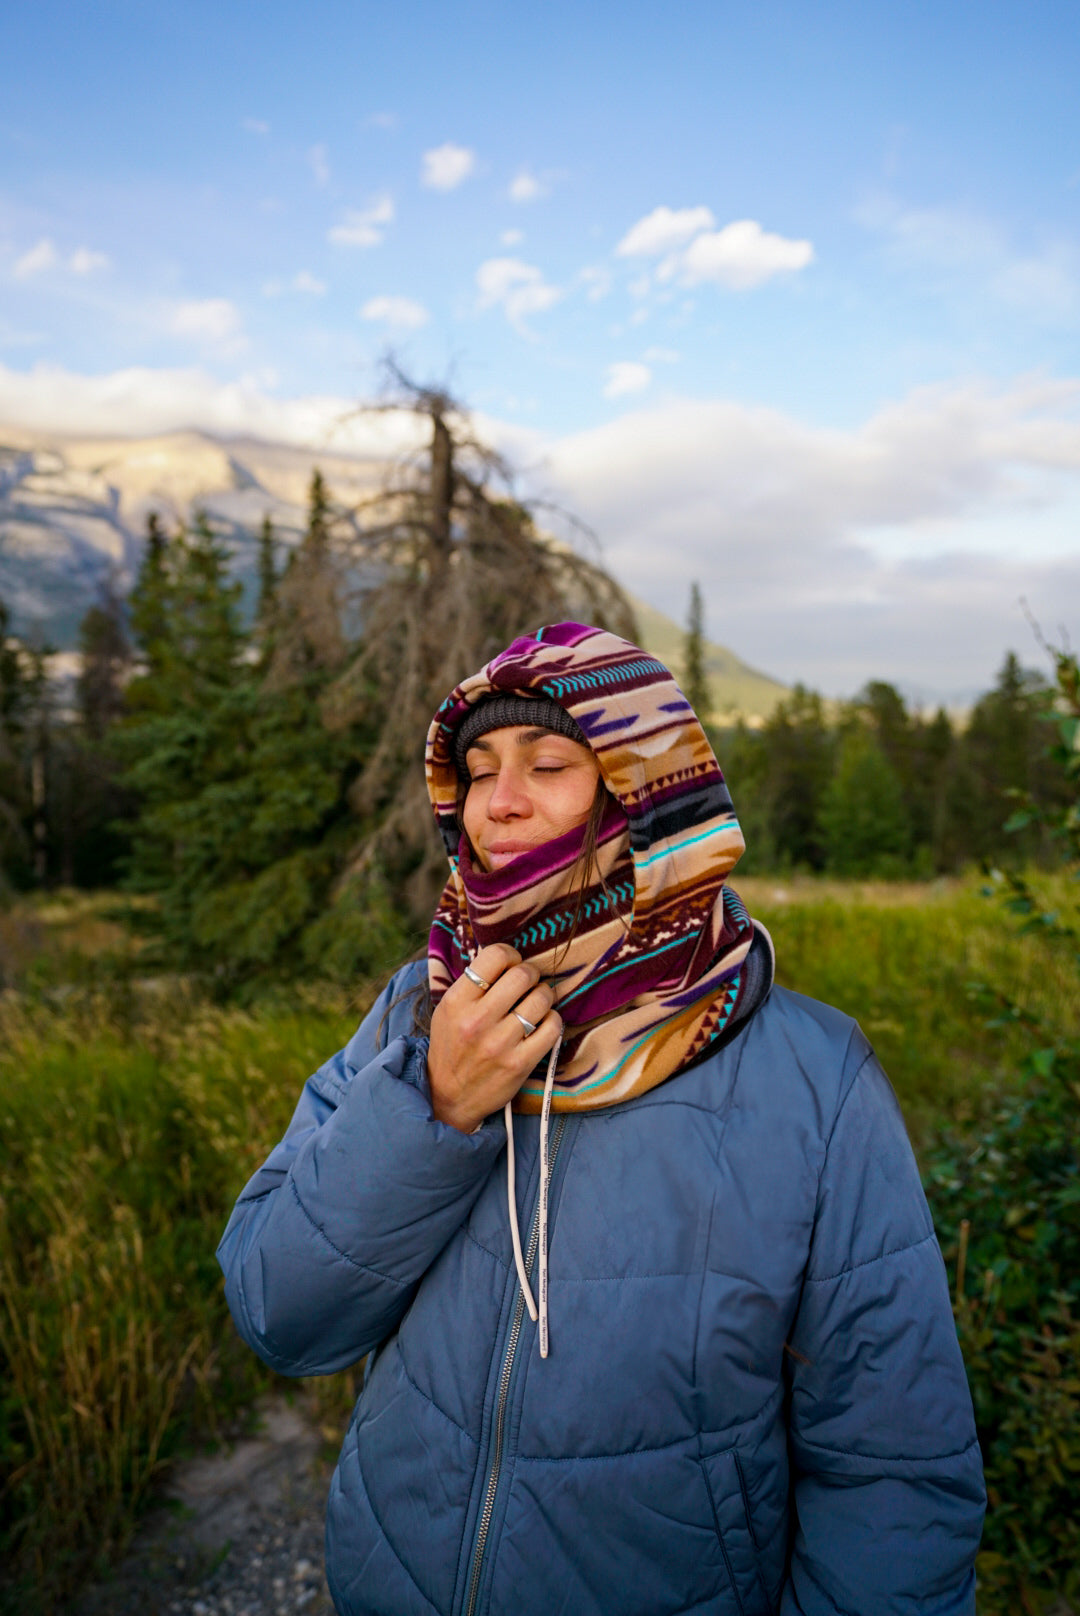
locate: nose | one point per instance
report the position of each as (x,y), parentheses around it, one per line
(508,799)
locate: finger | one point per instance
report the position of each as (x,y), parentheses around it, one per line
(532,1050)
(535,1005)
(494,961)
(482,970)
(510,988)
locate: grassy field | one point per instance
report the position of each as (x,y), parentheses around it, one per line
(133,1110)
(903,958)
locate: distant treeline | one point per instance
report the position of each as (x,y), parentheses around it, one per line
(251,772)
(870,788)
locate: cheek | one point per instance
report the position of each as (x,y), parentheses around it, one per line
(472,814)
(572,804)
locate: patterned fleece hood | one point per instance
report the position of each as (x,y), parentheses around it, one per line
(649,963)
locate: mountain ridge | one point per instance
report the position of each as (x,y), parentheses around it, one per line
(73,516)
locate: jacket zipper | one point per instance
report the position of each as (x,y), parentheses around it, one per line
(504,1391)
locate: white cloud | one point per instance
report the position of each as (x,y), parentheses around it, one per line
(141,401)
(38,258)
(319,162)
(382,120)
(363,227)
(211,320)
(402,312)
(739,256)
(662,230)
(898,549)
(525,187)
(662,356)
(255,126)
(512,238)
(519,288)
(305,281)
(626,376)
(44,256)
(967,252)
(443,168)
(596,281)
(84,261)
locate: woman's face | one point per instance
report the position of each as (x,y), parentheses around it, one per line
(526,786)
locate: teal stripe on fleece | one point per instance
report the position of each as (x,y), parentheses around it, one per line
(633,960)
(688,841)
(599,1082)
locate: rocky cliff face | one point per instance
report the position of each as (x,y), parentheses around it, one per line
(73,511)
(73,518)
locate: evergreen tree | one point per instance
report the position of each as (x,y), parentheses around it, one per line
(178,736)
(268,575)
(89,801)
(105,665)
(1006,751)
(863,819)
(696,686)
(149,603)
(14,784)
(799,748)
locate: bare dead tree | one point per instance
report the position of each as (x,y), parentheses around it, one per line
(452,566)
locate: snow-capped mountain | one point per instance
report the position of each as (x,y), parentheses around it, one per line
(73,511)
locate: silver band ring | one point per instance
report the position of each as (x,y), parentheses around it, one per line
(530,1027)
(476,979)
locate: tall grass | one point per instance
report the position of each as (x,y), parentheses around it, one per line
(128,1124)
(903,958)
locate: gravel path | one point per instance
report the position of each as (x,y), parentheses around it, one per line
(240,1533)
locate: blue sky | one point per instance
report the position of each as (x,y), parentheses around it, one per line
(785,298)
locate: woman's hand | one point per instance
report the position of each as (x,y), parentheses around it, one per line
(479,1054)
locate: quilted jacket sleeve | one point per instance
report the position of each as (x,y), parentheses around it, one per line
(886,1469)
(329,1240)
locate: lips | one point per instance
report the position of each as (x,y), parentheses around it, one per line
(497,856)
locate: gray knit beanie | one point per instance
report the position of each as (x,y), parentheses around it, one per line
(504,712)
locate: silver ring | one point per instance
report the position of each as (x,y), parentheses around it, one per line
(476,979)
(529,1026)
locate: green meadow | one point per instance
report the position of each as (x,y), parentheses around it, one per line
(132,1110)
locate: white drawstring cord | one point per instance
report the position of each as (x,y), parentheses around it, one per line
(545,1113)
(515,1233)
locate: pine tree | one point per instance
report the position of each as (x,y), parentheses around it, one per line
(14,784)
(105,657)
(863,819)
(696,683)
(799,748)
(1005,750)
(268,575)
(149,602)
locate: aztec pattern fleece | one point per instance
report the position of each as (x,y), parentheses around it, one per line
(651,974)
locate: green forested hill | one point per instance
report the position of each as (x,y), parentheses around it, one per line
(736,690)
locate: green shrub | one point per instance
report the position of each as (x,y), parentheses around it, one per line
(1007,1207)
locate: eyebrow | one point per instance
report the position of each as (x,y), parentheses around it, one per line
(527,738)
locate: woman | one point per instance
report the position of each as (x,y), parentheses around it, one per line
(742,1391)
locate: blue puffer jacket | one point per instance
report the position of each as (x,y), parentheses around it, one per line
(754,1401)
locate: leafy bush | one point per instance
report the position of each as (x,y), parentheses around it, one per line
(1007,1207)
(1007,1204)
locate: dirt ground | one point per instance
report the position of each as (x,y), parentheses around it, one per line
(239,1533)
